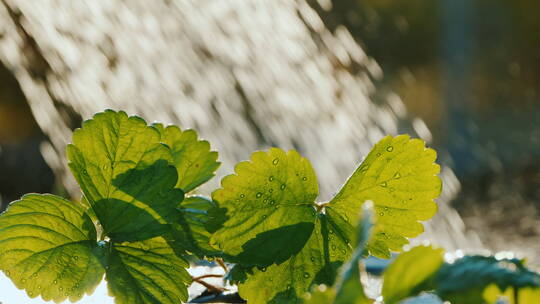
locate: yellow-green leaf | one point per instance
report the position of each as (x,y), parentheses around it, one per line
(316,263)
(269,208)
(405,276)
(125,173)
(147,272)
(399,175)
(48,247)
(192,157)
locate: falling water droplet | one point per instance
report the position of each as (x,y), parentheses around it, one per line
(275,161)
(389,148)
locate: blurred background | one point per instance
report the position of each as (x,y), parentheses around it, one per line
(328,78)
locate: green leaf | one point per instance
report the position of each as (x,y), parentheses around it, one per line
(125,173)
(406,276)
(48,247)
(147,272)
(192,226)
(465,280)
(349,287)
(269,208)
(193,159)
(316,263)
(399,175)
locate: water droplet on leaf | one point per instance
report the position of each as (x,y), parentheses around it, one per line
(271,178)
(306,275)
(259,194)
(384,184)
(397,175)
(304,178)
(282,187)
(389,148)
(242,195)
(275,161)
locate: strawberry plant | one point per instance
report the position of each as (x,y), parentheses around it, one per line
(138,222)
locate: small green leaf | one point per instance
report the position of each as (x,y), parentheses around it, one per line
(125,173)
(269,208)
(192,226)
(48,247)
(147,272)
(316,263)
(465,280)
(193,159)
(399,175)
(349,289)
(409,272)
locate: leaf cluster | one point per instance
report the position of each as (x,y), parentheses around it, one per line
(138,219)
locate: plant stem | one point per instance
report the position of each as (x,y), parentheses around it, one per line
(209,286)
(208,276)
(222,264)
